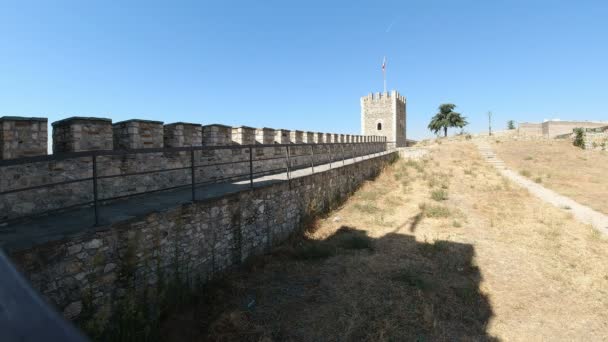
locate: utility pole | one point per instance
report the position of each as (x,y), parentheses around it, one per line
(490,123)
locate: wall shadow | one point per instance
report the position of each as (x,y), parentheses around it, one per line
(348,287)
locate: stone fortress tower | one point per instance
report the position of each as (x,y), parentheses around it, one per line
(384,114)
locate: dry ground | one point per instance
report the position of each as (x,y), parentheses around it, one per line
(442,249)
(557,164)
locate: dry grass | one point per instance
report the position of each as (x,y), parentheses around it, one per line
(499,265)
(571,171)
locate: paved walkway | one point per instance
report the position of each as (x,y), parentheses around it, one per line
(581,212)
(61,225)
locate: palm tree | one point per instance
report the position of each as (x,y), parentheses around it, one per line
(446,117)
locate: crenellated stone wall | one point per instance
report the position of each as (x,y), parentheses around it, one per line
(121,175)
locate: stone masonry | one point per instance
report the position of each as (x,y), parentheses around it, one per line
(384,114)
(77,134)
(137,134)
(264,136)
(182,134)
(99,268)
(22,137)
(243,135)
(217,135)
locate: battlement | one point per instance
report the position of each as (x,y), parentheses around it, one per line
(22,137)
(25,137)
(383,96)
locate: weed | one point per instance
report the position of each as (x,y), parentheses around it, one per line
(529,158)
(456,224)
(436,211)
(367,208)
(439,195)
(525,173)
(538,180)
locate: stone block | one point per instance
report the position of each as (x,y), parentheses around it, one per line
(217,135)
(138,134)
(22,137)
(282,136)
(183,134)
(243,135)
(296,137)
(265,136)
(77,134)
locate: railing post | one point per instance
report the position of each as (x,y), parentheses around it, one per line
(95,194)
(287,160)
(250,167)
(312,158)
(192,174)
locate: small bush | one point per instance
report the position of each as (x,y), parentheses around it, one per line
(579,138)
(456,224)
(439,195)
(529,158)
(436,211)
(525,173)
(538,180)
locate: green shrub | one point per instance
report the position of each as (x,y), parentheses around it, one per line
(436,211)
(525,173)
(579,138)
(538,180)
(439,195)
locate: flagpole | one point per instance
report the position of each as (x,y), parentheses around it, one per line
(384,72)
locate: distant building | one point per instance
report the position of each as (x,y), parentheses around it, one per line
(384,114)
(553,128)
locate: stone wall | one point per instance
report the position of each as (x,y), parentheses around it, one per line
(553,129)
(212,166)
(22,137)
(596,138)
(91,273)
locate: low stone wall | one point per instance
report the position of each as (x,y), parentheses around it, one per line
(88,275)
(212,166)
(596,138)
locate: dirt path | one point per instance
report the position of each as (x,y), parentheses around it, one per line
(582,213)
(441,249)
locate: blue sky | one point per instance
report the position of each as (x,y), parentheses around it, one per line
(303,64)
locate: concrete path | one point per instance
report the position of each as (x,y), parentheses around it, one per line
(581,212)
(61,225)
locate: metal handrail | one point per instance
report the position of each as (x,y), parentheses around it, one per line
(193,183)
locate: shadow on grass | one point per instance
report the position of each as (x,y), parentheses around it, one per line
(348,287)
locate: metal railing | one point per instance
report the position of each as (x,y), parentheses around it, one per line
(291,157)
